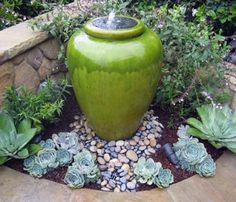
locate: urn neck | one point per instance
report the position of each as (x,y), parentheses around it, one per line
(121,28)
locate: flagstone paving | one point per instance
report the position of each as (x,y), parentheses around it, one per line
(18,187)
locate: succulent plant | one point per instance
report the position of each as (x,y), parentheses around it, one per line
(47,159)
(64,157)
(36,171)
(217,125)
(182,131)
(48,144)
(146,170)
(84,161)
(164,178)
(93,175)
(74,178)
(207,167)
(29,162)
(14,143)
(68,141)
(192,153)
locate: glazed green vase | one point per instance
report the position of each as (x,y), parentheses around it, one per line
(114,74)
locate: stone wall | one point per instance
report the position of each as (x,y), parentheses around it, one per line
(31,67)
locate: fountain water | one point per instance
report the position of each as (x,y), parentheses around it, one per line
(111,17)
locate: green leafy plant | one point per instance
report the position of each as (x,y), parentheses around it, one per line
(14,143)
(164,178)
(44,106)
(61,26)
(217,125)
(192,155)
(146,170)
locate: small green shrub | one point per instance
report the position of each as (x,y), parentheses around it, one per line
(44,106)
(14,143)
(217,125)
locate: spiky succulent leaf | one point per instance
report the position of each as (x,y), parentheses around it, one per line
(146,170)
(64,157)
(164,178)
(207,167)
(217,125)
(74,178)
(68,141)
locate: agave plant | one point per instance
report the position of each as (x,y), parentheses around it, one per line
(47,159)
(207,167)
(64,157)
(68,141)
(218,126)
(14,143)
(74,178)
(146,170)
(164,178)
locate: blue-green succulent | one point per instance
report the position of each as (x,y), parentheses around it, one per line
(47,159)
(64,157)
(68,141)
(146,170)
(207,167)
(164,178)
(74,178)
(48,144)
(192,155)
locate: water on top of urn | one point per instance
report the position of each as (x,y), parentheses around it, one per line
(113,23)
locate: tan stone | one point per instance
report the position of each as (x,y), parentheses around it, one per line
(34,58)
(45,69)
(6,77)
(18,59)
(50,48)
(27,76)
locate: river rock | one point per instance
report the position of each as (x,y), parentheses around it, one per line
(132,155)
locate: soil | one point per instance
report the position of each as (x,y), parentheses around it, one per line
(71,109)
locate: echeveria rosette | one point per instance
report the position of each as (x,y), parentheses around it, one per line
(64,157)
(68,141)
(84,161)
(48,144)
(192,153)
(93,175)
(146,170)
(164,178)
(47,159)
(29,162)
(37,171)
(74,178)
(207,167)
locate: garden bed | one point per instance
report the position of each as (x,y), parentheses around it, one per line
(72,111)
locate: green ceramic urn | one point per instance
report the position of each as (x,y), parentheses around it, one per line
(114,72)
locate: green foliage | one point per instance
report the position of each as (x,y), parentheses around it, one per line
(193,62)
(61,27)
(46,105)
(164,178)
(192,155)
(146,170)
(14,11)
(68,141)
(14,143)
(83,170)
(217,125)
